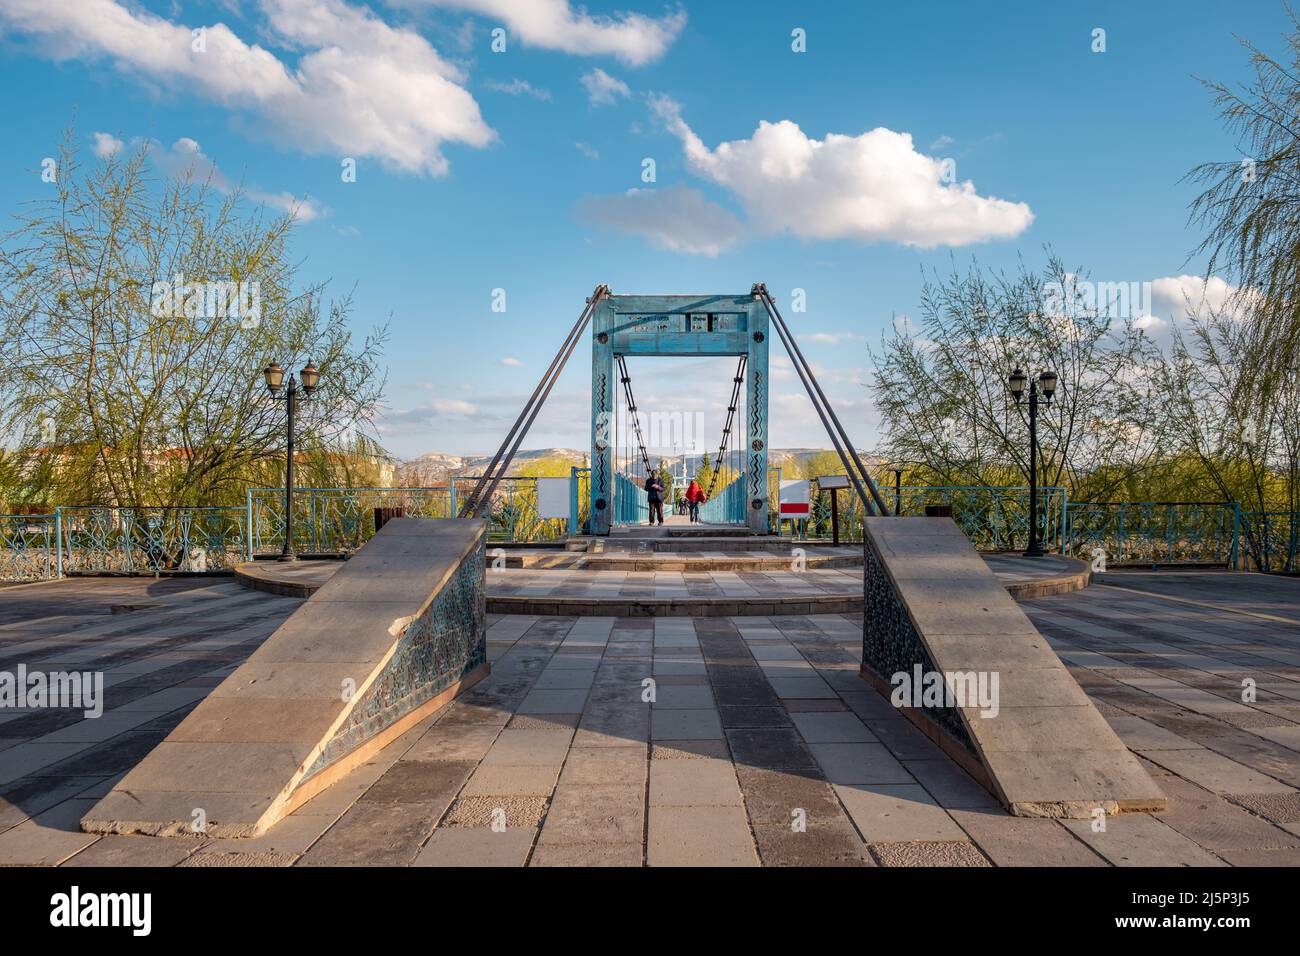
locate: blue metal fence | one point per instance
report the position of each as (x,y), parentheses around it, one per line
(28,547)
(994,518)
(334,520)
(97,540)
(726,506)
(1268,541)
(1154,533)
(631,506)
(340,520)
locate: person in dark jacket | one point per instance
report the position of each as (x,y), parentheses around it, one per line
(654,493)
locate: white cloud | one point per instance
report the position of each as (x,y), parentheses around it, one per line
(795,422)
(603,89)
(1175,300)
(634,38)
(869,188)
(105,144)
(185,158)
(519,88)
(831,338)
(453,406)
(676,218)
(1183,296)
(512,362)
(359,88)
(588,150)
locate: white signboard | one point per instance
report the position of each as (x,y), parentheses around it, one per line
(794,498)
(827,482)
(553,497)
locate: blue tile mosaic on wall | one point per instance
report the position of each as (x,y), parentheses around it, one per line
(890,643)
(437,649)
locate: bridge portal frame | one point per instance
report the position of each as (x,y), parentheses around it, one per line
(679,325)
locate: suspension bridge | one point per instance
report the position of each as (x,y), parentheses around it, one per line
(469,690)
(714,664)
(624,326)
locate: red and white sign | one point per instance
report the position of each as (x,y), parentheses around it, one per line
(794,498)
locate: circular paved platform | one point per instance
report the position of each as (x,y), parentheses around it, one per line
(556,583)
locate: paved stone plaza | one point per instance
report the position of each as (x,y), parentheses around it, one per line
(559,751)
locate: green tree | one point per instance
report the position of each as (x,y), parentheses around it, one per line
(132,376)
(1236,444)
(666,476)
(704,474)
(1250,205)
(548,466)
(819,463)
(942,392)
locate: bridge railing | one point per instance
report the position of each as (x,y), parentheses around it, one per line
(164,540)
(514,512)
(993,518)
(341,520)
(334,520)
(1268,541)
(149,540)
(29,547)
(579,501)
(631,505)
(1154,533)
(726,506)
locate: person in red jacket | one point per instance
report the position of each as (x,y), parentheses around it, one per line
(694,496)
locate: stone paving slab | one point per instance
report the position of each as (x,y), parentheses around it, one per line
(411,803)
(1141,840)
(889,813)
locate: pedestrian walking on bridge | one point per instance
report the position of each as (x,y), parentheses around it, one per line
(694,498)
(654,493)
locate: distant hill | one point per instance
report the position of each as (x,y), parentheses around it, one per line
(435,467)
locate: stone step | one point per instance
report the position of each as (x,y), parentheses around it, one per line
(776,560)
(643,544)
(683,531)
(534,581)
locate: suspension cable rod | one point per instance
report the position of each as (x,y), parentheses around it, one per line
(737,384)
(631,410)
(479,498)
(869,493)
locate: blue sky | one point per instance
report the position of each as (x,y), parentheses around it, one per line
(480,170)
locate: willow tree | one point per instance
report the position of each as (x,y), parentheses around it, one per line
(941,384)
(136,315)
(1245,445)
(1250,208)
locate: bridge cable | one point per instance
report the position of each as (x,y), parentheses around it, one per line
(866,488)
(737,388)
(631,408)
(487,483)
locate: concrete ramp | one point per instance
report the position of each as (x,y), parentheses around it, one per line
(948,645)
(397,632)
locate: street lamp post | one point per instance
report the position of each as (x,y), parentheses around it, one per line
(1046,384)
(274,376)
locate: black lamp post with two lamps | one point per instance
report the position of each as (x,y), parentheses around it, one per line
(1046,385)
(310,377)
